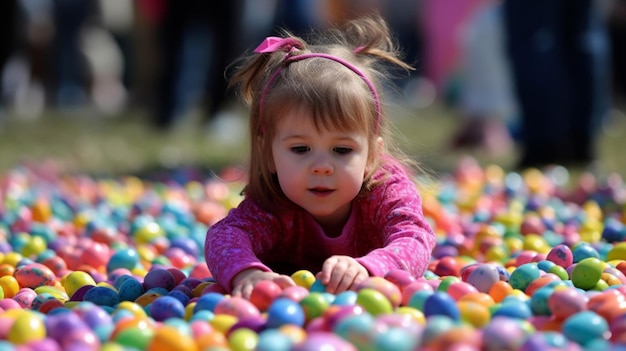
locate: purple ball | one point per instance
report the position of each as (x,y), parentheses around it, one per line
(159,278)
(326,341)
(165,307)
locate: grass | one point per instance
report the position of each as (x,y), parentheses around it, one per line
(126,144)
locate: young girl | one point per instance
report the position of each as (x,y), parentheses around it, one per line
(325,192)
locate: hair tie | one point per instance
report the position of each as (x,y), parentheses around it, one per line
(273,44)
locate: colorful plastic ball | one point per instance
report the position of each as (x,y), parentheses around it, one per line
(324,341)
(317,286)
(102,296)
(243,339)
(208,302)
(123,258)
(585,326)
(483,277)
(130,289)
(303,278)
(34,275)
(503,334)
(273,340)
(565,302)
(263,293)
(135,337)
(400,278)
(295,293)
(27,327)
(285,311)
(236,306)
(357,329)
(373,301)
(159,278)
(440,303)
(75,280)
(584,250)
(391,291)
(513,310)
(587,273)
(345,298)
(474,313)
(437,325)
(523,275)
(166,307)
(168,338)
(314,305)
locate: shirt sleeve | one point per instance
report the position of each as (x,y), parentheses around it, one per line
(231,243)
(396,209)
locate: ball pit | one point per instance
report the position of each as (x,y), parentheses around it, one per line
(522,263)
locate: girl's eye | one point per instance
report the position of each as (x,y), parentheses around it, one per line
(300,149)
(342,150)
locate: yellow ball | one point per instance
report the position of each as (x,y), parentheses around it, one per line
(223,322)
(474,313)
(28,327)
(34,246)
(9,286)
(303,278)
(416,315)
(75,280)
(243,339)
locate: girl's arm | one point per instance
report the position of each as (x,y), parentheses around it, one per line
(396,209)
(232,244)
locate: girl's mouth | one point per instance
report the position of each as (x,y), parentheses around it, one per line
(321,191)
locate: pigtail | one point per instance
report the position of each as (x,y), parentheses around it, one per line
(252,71)
(370,36)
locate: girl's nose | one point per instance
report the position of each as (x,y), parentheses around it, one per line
(322,167)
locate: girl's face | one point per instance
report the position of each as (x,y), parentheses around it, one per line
(322,171)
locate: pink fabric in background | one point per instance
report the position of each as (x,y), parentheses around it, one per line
(442,21)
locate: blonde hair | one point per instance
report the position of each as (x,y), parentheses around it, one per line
(335,95)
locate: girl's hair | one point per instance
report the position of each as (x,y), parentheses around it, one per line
(336,96)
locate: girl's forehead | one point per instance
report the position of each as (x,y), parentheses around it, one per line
(301,117)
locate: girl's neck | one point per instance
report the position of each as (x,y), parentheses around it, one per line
(333,225)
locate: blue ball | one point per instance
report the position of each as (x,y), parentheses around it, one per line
(440,303)
(285,311)
(208,302)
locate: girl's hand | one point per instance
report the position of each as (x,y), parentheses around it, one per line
(341,273)
(244,281)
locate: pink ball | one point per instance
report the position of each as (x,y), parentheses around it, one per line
(294,293)
(200,328)
(414,287)
(561,255)
(236,306)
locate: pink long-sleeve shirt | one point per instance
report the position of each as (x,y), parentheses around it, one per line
(386,230)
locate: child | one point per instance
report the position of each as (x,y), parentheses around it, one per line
(324,191)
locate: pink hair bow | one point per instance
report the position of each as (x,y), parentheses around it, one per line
(273,44)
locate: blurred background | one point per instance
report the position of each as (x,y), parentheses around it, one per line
(138,86)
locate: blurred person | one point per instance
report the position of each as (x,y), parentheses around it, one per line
(197,39)
(441,23)
(560,66)
(617,35)
(72,73)
(487,101)
(8,23)
(26,70)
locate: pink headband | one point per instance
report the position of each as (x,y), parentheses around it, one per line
(273,44)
